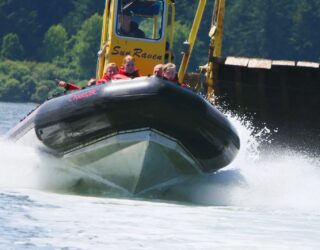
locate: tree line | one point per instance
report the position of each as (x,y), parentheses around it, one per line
(43,40)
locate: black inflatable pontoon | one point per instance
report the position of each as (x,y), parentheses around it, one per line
(140,134)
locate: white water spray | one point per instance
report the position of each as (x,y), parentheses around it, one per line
(26,167)
(277,178)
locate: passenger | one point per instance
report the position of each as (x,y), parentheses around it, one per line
(127,70)
(170,74)
(128,27)
(110,71)
(158,70)
(68,86)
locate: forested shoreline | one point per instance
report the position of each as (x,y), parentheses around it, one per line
(44,40)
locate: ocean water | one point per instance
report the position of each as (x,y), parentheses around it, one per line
(266,199)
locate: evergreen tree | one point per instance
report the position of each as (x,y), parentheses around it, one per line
(87,44)
(11,47)
(244,29)
(54,43)
(30,20)
(304,37)
(81,10)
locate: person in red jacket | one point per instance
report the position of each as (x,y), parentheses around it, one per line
(110,71)
(68,86)
(158,70)
(170,74)
(127,70)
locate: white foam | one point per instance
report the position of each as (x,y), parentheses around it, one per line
(25,167)
(283,179)
(18,164)
(275,178)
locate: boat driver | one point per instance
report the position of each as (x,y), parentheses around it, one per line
(127,27)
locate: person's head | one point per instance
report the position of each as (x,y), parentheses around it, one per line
(111,69)
(157,70)
(169,71)
(128,64)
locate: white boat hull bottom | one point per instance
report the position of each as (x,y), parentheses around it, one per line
(137,161)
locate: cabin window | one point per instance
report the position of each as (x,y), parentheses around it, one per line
(140,19)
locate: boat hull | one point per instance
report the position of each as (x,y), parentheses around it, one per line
(137,161)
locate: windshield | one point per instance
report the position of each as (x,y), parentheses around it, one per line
(140,19)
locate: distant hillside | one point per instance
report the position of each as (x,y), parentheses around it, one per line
(66,33)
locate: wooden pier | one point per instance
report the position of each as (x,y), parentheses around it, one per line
(280,94)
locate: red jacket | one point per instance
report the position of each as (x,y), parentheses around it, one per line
(119,76)
(183,85)
(98,81)
(124,75)
(101,81)
(71,86)
(106,77)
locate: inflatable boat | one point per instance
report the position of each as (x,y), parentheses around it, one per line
(142,134)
